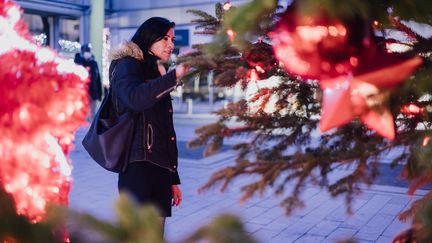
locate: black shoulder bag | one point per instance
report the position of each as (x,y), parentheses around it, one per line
(109,138)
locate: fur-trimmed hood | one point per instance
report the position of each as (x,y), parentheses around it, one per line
(126,49)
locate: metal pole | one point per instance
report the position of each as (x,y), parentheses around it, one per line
(189,107)
(97,18)
(211,89)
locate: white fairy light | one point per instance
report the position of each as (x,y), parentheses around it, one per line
(68,66)
(60,158)
(45,55)
(14,15)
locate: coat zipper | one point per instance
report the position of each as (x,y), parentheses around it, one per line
(149,137)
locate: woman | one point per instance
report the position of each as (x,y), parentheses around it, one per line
(140,85)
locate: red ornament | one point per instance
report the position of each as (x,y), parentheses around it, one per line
(364,95)
(261,60)
(44,101)
(317,46)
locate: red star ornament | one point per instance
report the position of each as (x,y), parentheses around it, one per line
(363,94)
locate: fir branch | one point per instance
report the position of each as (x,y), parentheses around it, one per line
(416,207)
(407,30)
(282,148)
(224,229)
(219,11)
(205,17)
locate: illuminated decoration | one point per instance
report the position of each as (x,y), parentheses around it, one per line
(252,74)
(40,39)
(364,94)
(398,47)
(69,46)
(317,46)
(425,141)
(227,6)
(258,95)
(231,34)
(44,101)
(412,110)
(106,47)
(261,61)
(354,74)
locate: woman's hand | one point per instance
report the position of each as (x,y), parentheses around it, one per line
(181,70)
(176,195)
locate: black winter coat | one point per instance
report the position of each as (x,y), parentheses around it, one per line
(95,84)
(136,83)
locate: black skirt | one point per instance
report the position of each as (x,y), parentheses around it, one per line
(148,183)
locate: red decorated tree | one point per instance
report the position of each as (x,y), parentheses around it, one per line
(44,101)
(345,90)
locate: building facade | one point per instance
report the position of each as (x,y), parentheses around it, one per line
(126,16)
(66,24)
(60,24)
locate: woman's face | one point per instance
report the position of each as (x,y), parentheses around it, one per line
(164,47)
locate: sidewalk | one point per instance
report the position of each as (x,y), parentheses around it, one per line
(200,108)
(323,219)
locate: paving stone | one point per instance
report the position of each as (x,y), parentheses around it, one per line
(281,224)
(378,223)
(400,199)
(252,212)
(265,235)
(340,214)
(324,228)
(310,238)
(363,241)
(275,212)
(395,227)
(279,227)
(298,228)
(253,202)
(384,239)
(392,209)
(285,238)
(251,227)
(365,196)
(323,219)
(367,211)
(269,202)
(261,220)
(322,211)
(340,234)
(316,199)
(363,235)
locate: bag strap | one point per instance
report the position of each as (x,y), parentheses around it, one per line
(114,102)
(114,99)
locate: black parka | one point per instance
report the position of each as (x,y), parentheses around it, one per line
(95,84)
(136,85)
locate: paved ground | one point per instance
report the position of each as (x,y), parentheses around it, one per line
(322,220)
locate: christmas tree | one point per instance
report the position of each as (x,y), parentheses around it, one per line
(349,84)
(341,88)
(44,102)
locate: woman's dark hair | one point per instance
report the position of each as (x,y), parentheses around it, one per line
(151,31)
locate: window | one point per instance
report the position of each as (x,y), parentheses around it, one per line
(69,36)
(40,27)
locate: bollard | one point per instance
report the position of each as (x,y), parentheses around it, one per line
(189,106)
